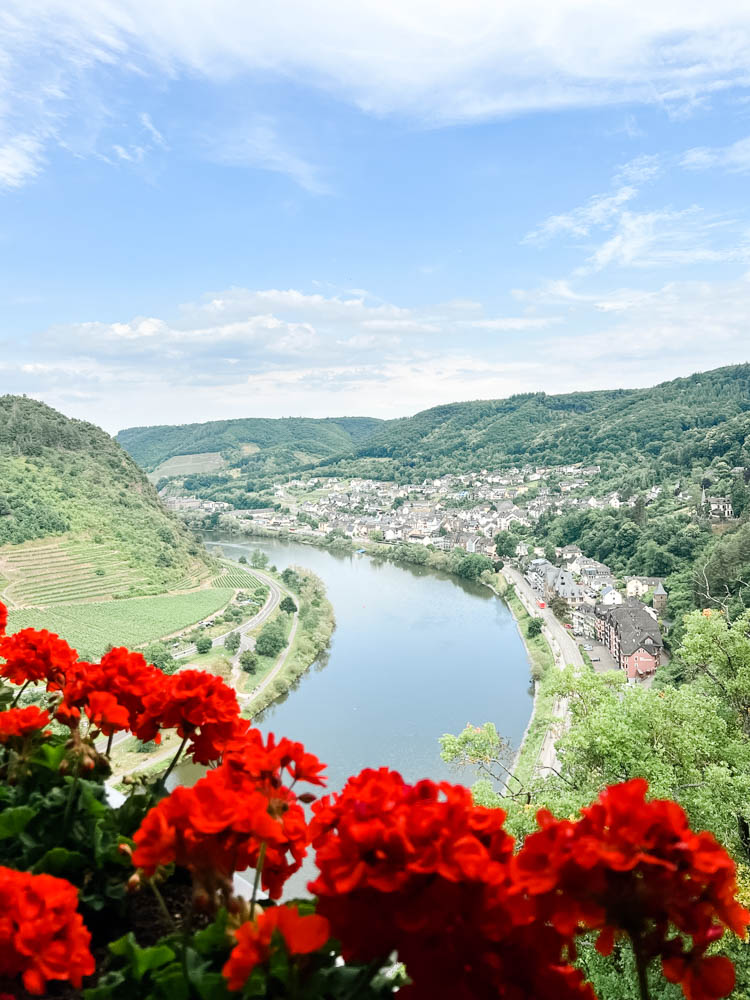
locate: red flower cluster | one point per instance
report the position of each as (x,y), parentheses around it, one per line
(219,825)
(32,655)
(3,618)
(19,723)
(199,705)
(112,692)
(422,870)
(301,935)
(42,935)
(635,867)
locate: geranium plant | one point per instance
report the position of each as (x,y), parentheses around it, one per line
(417,888)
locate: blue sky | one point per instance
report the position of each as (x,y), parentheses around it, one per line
(211,210)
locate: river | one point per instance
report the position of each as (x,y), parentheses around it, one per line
(415,654)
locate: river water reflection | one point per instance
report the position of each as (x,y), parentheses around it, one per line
(415,654)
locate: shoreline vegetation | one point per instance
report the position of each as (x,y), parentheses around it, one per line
(538,650)
(316,624)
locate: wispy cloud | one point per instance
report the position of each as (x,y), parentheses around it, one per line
(735,157)
(21,158)
(598,211)
(258,144)
(442,63)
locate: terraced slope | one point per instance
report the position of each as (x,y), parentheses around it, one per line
(78,519)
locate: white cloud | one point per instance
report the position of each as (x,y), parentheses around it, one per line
(21,158)
(641,169)
(519,323)
(667,238)
(436,61)
(598,211)
(257,144)
(734,158)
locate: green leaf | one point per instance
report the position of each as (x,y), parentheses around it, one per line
(141,960)
(214,937)
(13,821)
(49,755)
(171,983)
(61,862)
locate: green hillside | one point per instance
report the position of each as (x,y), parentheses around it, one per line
(255,446)
(78,519)
(666,429)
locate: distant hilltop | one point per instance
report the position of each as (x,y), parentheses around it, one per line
(674,425)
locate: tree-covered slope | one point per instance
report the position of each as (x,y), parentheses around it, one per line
(669,428)
(67,482)
(252,443)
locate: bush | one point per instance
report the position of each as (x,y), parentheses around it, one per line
(249,661)
(204,644)
(534,628)
(232,642)
(271,639)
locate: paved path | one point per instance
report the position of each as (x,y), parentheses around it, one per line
(565,652)
(246,642)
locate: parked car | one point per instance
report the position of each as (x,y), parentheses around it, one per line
(541,604)
(565,625)
(587,646)
(595,659)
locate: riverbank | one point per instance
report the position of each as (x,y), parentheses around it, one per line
(540,654)
(308,638)
(542,662)
(310,641)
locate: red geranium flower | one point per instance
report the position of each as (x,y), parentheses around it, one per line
(3,618)
(106,713)
(634,867)
(120,682)
(300,935)
(42,935)
(267,761)
(32,655)
(421,870)
(199,705)
(21,722)
(219,826)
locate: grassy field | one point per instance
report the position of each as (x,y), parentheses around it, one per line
(185,465)
(238,578)
(92,627)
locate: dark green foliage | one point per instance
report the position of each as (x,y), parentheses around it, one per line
(534,627)
(288,606)
(158,654)
(657,432)
(271,638)
(232,642)
(204,644)
(249,661)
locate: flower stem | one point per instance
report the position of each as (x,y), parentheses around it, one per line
(641,965)
(256,881)
(71,795)
(15,700)
(109,743)
(175,759)
(162,905)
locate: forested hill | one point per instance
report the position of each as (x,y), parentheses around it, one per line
(68,482)
(670,428)
(258,445)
